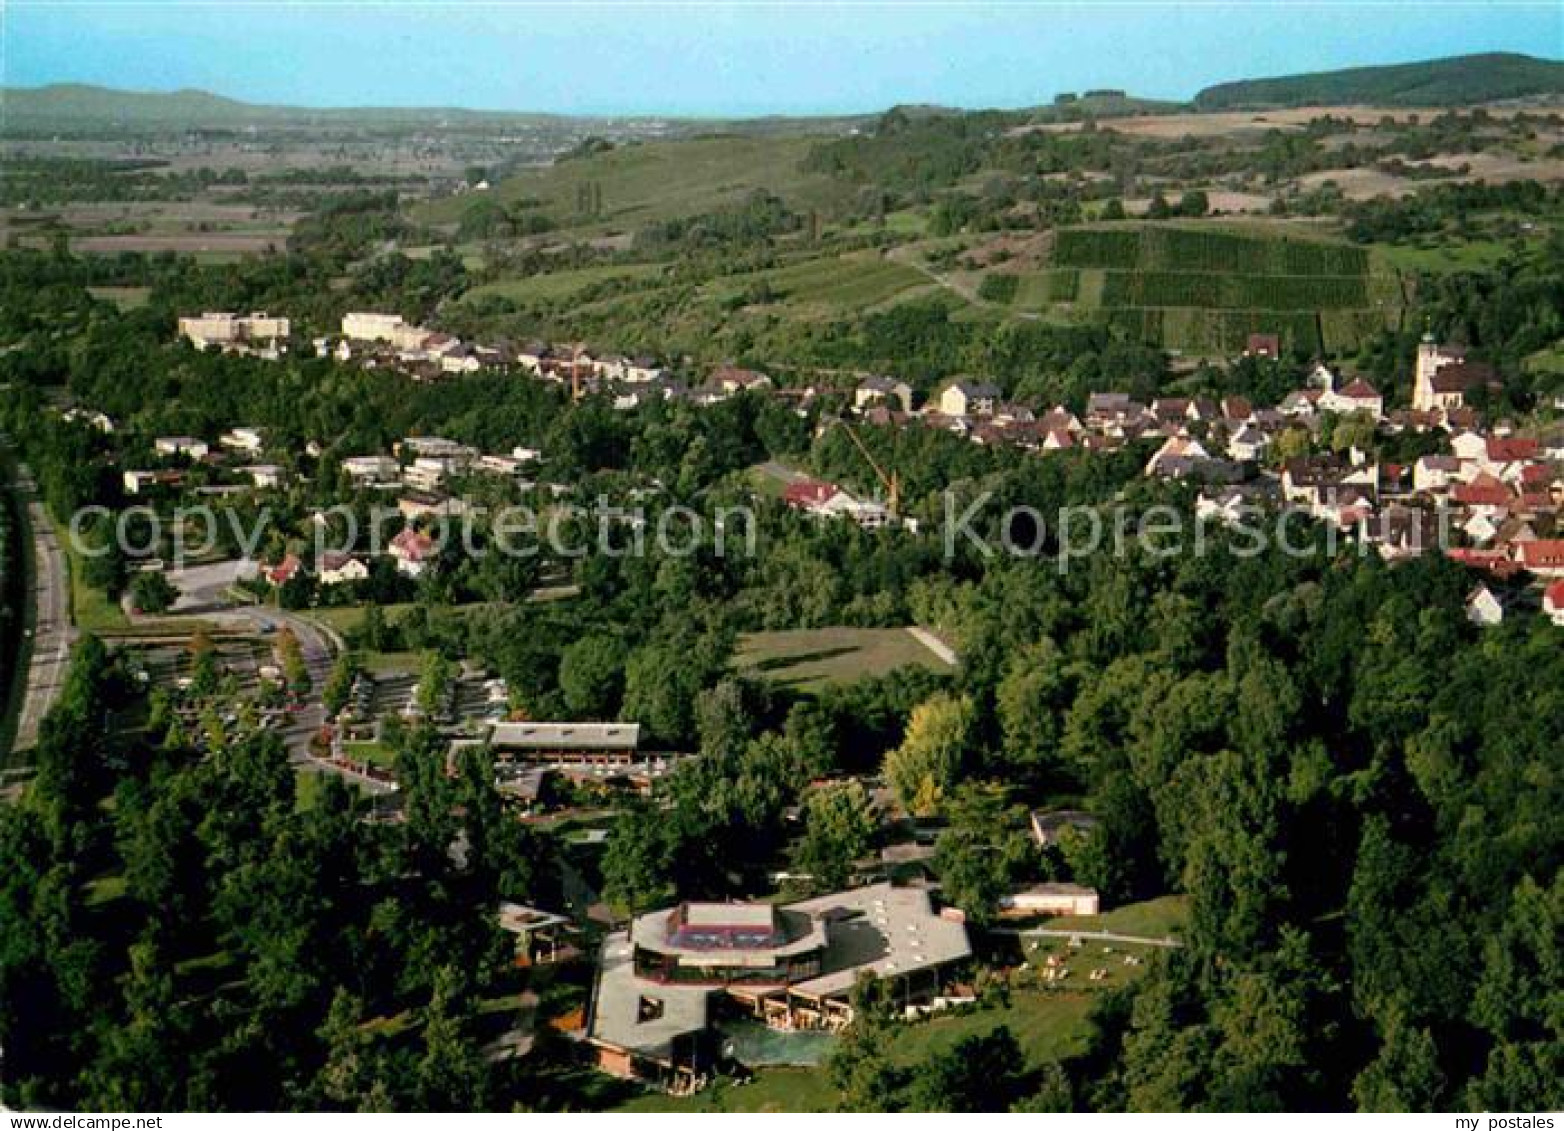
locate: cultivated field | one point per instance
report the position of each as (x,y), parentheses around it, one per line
(1204,287)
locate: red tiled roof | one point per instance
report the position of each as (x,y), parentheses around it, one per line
(412,545)
(807,493)
(1538,473)
(1544,553)
(1237,408)
(283,571)
(1494,561)
(1553,596)
(1511,449)
(1484,491)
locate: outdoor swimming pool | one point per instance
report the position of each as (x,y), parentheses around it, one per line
(754,1045)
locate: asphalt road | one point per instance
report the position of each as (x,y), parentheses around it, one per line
(53,633)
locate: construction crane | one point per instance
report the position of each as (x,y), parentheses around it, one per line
(890,483)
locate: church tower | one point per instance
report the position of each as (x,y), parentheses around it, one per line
(1428,361)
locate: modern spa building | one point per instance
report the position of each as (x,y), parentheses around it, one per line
(662,984)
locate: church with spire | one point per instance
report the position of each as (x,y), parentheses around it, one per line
(1443,377)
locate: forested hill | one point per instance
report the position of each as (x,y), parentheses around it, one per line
(1460,81)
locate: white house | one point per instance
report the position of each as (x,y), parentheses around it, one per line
(967,398)
(241,440)
(181,446)
(1359,396)
(1483,608)
(500,465)
(371,469)
(731,379)
(136,482)
(426,473)
(1432,474)
(1175,448)
(1052,899)
(1248,443)
(1470,447)
(340,569)
(265,475)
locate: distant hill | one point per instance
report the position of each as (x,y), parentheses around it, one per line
(1460,81)
(66,106)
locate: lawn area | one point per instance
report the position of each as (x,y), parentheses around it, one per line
(91,608)
(808,659)
(771,479)
(1153,918)
(347,619)
(374,753)
(1049,1026)
(391,663)
(773,1089)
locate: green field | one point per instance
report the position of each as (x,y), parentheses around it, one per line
(642,183)
(563,286)
(809,659)
(1476,255)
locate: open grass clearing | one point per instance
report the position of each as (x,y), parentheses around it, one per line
(809,659)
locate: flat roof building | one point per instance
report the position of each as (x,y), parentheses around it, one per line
(565,742)
(792,967)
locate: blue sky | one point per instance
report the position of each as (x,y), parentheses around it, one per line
(732,58)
